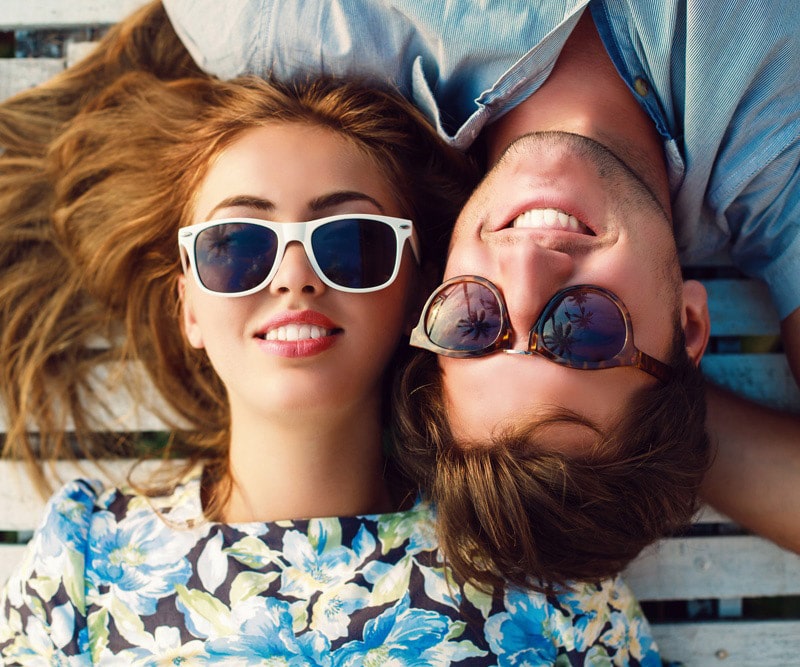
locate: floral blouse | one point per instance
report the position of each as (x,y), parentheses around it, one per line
(114,578)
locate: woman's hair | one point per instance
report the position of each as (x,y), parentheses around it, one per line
(511,510)
(90,205)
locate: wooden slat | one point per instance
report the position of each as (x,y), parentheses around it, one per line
(78,51)
(118,412)
(18,74)
(37,14)
(731,643)
(22,507)
(714,567)
(741,308)
(764,378)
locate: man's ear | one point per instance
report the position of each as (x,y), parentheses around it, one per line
(695,319)
(191,328)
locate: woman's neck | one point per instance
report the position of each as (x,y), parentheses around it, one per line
(301,466)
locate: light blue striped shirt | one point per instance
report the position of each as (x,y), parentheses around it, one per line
(720,79)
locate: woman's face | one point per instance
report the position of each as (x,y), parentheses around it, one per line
(297,344)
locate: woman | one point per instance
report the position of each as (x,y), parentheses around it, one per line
(301,214)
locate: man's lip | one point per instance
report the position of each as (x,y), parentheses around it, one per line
(297,317)
(560,204)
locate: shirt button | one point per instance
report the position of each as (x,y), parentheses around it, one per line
(641,86)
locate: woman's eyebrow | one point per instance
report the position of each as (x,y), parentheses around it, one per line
(247,201)
(342,197)
(327,200)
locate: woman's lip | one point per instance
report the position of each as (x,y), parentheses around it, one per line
(307,347)
(297,317)
(303,347)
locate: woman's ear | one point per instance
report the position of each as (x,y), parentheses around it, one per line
(191,328)
(695,319)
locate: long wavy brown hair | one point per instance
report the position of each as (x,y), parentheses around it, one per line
(99,172)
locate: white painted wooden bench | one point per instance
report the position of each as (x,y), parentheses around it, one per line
(718,597)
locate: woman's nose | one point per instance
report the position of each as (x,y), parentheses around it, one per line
(295,273)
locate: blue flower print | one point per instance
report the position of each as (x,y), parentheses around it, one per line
(318,561)
(399,636)
(139,560)
(67,521)
(42,645)
(587,614)
(117,578)
(265,631)
(165,648)
(524,629)
(414,530)
(332,611)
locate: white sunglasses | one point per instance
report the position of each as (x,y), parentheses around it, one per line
(350,253)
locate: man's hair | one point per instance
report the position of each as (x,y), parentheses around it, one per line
(511,510)
(99,171)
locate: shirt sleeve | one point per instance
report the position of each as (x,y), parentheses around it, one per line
(43,602)
(461,63)
(766,215)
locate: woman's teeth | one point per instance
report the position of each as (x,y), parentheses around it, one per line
(292,332)
(550,218)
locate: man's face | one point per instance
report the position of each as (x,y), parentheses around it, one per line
(560,209)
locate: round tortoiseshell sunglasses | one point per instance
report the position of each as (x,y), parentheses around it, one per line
(582,326)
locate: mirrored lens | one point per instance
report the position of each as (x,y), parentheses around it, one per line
(464,316)
(584,326)
(235,257)
(355,253)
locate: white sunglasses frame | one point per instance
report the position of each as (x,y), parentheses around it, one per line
(301,232)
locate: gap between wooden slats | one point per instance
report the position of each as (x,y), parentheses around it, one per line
(18,74)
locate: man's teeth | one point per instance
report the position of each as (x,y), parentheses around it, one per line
(550,218)
(293,332)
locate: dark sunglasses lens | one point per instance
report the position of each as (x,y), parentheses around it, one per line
(584,326)
(235,256)
(355,253)
(464,316)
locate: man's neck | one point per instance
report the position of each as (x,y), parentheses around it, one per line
(585,95)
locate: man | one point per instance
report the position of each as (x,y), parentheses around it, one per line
(709,130)
(601,466)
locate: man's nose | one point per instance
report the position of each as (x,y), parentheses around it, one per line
(295,273)
(529,276)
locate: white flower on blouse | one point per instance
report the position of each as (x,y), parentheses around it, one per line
(317,561)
